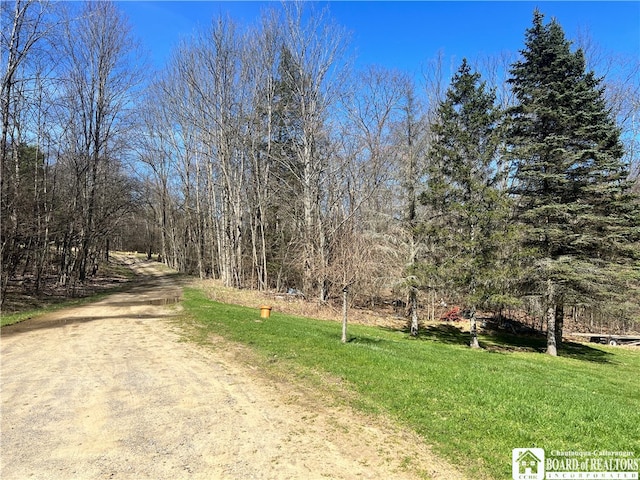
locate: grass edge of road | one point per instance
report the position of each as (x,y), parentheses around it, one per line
(316,389)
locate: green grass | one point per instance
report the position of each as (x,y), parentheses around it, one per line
(474,406)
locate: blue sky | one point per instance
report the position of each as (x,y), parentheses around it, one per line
(404,35)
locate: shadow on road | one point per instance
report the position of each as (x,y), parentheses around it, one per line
(151,287)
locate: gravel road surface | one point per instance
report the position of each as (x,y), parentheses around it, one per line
(109,390)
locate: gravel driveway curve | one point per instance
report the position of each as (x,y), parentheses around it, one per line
(108,390)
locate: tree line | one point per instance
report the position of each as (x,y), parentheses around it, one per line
(259,156)
(67,99)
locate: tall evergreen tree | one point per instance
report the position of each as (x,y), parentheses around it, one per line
(571,182)
(469,211)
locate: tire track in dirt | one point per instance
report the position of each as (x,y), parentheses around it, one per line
(109,390)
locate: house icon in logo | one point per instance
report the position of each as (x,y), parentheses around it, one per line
(528,463)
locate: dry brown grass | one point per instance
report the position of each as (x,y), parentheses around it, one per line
(293,305)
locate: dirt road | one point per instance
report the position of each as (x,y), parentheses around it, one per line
(108,390)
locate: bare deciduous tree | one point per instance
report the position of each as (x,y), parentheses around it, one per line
(99,74)
(27,24)
(312,76)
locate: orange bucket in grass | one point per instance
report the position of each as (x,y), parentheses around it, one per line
(265,311)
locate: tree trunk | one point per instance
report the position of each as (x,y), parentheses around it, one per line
(413,306)
(551,319)
(473,328)
(559,323)
(308,261)
(345,291)
(199,233)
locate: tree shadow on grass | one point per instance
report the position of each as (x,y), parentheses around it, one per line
(500,341)
(497,340)
(365,340)
(504,342)
(445,333)
(580,351)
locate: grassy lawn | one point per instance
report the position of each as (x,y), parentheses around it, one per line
(473,406)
